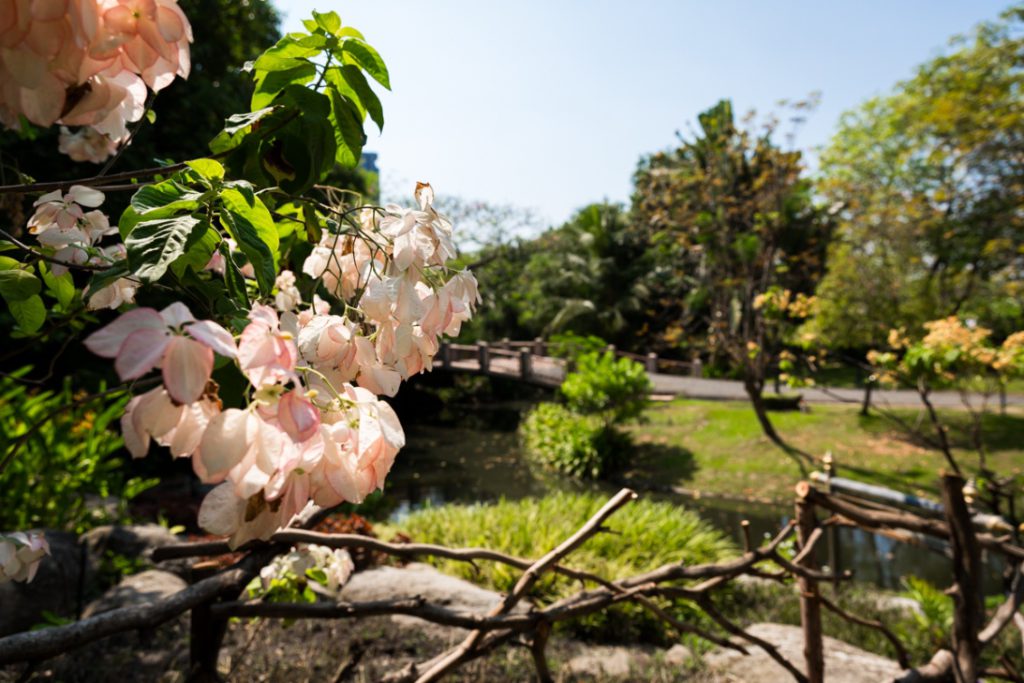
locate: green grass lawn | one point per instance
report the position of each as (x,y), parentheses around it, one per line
(718,448)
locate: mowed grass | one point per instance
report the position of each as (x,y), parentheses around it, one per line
(718,448)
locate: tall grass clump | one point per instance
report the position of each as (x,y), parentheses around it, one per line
(647,534)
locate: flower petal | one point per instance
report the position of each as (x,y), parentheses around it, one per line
(141,352)
(186,368)
(213,335)
(225,441)
(177,315)
(107,341)
(222,511)
(299,418)
(85,196)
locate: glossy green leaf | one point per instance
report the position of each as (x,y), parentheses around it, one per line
(355,51)
(350,82)
(154,244)
(328,21)
(208,168)
(29,313)
(269,84)
(18,284)
(252,227)
(347,127)
(62,288)
(236,128)
(233,277)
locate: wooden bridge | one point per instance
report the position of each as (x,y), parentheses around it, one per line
(530,361)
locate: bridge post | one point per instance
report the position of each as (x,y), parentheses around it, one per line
(484,355)
(652,362)
(445,355)
(525,365)
(696,368)
(538,346)
(505,343)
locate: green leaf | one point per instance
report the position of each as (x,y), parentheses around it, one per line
(7,246)
(355,51)
(253,229)
(17,285)
(347,126)
(350,82)
(269,84)
(62,288)
(233,277)
(151,116)
(236,128)
(6,263)
(29,313)
(153,245)
(199,249)
(167,194)
(208,168)
(328,21)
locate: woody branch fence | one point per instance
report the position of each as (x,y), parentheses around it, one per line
(214,598)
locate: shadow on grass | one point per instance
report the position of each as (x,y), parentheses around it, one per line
(1000,432)
(658,465)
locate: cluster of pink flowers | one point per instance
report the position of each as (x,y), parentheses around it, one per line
(314,431)
(385,270)
(20,554)
(87,63)
(61,224)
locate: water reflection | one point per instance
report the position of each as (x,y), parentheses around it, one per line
(456,464)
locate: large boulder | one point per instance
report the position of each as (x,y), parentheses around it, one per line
(55,588)
(844,663)
(136,542)
(422,580)
(143,588)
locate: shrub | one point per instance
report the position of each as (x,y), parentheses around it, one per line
(58,459)
(648,534)
(578,445)
(571,345)
(615,388)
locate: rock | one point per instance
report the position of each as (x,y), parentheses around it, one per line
(55,588)
(395,583)
(678,655)
(608,661)
(134,542)
(844,663)
(138,589)
(423,580)
(131,541)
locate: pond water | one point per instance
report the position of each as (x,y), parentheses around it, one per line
(481,463)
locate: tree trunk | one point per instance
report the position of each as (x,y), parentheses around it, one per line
(969,612)
(753,389)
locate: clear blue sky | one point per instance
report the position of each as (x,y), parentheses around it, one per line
(549,104)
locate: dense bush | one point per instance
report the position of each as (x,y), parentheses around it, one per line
(648,534)
(616,389)
(58,466)
(581,438)
(578,445)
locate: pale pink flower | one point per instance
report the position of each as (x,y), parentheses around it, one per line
(154,415)
(267,353)
(62,211)
(319,307)
(143,339)
(287,297)
(20,555)
(86,144)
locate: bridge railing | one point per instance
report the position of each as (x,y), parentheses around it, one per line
(482,355)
